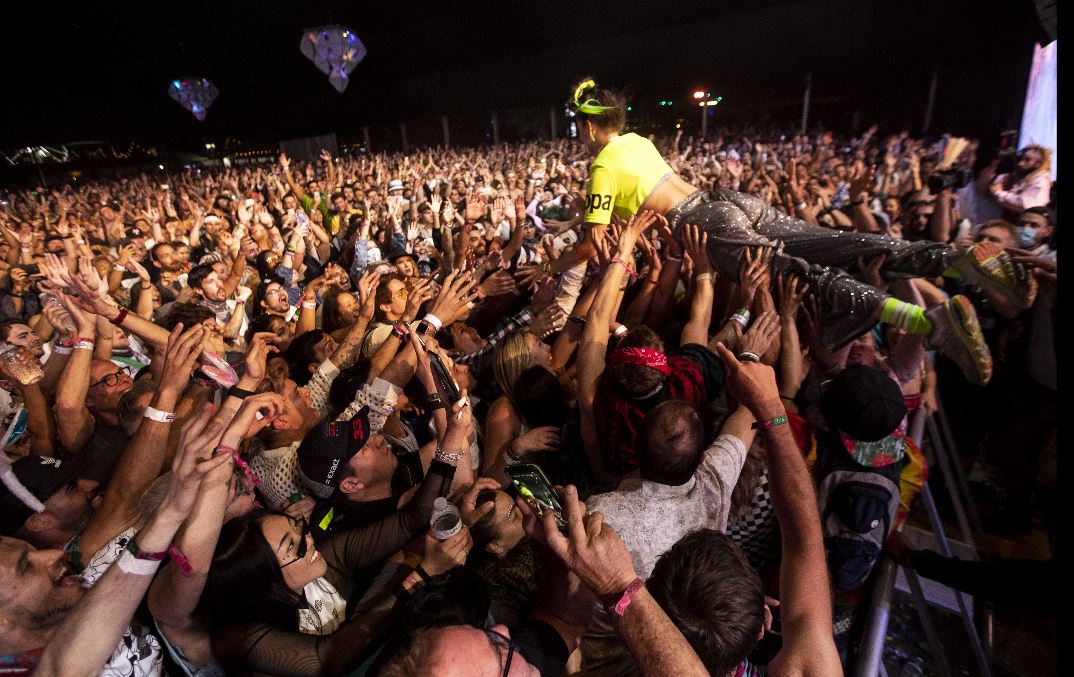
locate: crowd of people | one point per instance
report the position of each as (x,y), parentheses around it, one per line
(235,401)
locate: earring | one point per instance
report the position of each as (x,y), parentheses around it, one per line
(591,136)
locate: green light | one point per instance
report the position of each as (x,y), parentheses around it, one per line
(630,107)
(663,103)
(719,98)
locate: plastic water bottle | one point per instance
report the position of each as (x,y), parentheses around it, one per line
(49,301)
(27,372)
(446,520)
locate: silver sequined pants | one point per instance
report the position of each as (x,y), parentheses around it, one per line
(735,221)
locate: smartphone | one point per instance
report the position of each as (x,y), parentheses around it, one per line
(444,377)
(532,484)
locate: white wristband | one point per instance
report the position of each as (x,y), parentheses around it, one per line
(83,345)
(158,415)
(130,564)
(437,323)
(620,330)
(703,276)
(120,268)
(61,350)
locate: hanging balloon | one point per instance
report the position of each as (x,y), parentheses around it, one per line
(195,95)
(336,50)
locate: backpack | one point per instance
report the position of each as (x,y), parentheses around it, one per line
(857,508)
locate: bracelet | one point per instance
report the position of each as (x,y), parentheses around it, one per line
(435,321)
(510,456)
(401,330)
(749,357)
(449,458)
(770,423)
(620,606)
(159,416)
(83,345)
(422,573)
(130,564)
(784,397)
(434,397)
(240,393)
(119,318)
(676,259)
(146,285)
(629,269)
(240,302)
(120,267)
(60,349)
(703,276)
(224,449)
(576,318)
(309,304)
(138,553)
(620,330)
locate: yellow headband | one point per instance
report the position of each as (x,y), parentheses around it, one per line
(589,106)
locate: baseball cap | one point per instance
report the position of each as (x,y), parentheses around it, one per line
(26,484)
(135,231)
(863,402)
(395,184)
(327,447)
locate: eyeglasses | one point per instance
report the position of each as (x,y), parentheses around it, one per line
(401,294)
(110,380)
(303,543)
(502,642)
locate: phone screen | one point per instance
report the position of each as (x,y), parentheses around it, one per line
(536,490)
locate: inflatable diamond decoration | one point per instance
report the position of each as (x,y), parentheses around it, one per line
(194,94)
(336,50)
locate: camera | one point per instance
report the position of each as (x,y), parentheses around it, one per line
(948,178)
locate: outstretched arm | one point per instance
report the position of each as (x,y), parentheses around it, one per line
(806,610)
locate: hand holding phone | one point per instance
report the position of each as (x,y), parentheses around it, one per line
(535,489)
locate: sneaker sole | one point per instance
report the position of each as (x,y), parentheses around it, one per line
(963,325)
(986,265)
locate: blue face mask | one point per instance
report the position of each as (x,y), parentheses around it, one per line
(1027,236)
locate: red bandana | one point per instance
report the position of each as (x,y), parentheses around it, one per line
(646,357)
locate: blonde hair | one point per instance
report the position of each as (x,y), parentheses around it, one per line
(511,358)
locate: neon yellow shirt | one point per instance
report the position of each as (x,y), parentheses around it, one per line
(621,177)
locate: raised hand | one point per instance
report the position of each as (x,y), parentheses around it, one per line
(695,244)
(752,273)
(457,292)
(261,344)
(468,508)
(181,356)
(443,556)
(193,461)
(791,291)
(761,334)
(497,284)
(591,549)
(420,292)
(751,383)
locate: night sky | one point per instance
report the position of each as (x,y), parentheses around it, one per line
(100,71)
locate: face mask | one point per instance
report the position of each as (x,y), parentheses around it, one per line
(1027,236)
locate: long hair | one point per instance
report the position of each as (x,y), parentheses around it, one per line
(245,583)
(331,320)
(603,107)
(511,357)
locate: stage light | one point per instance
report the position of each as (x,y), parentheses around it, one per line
(699,94)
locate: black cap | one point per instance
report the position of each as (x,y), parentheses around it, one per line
(863,402)
(135,231)
(327,447)
(399,253)
(26,484)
